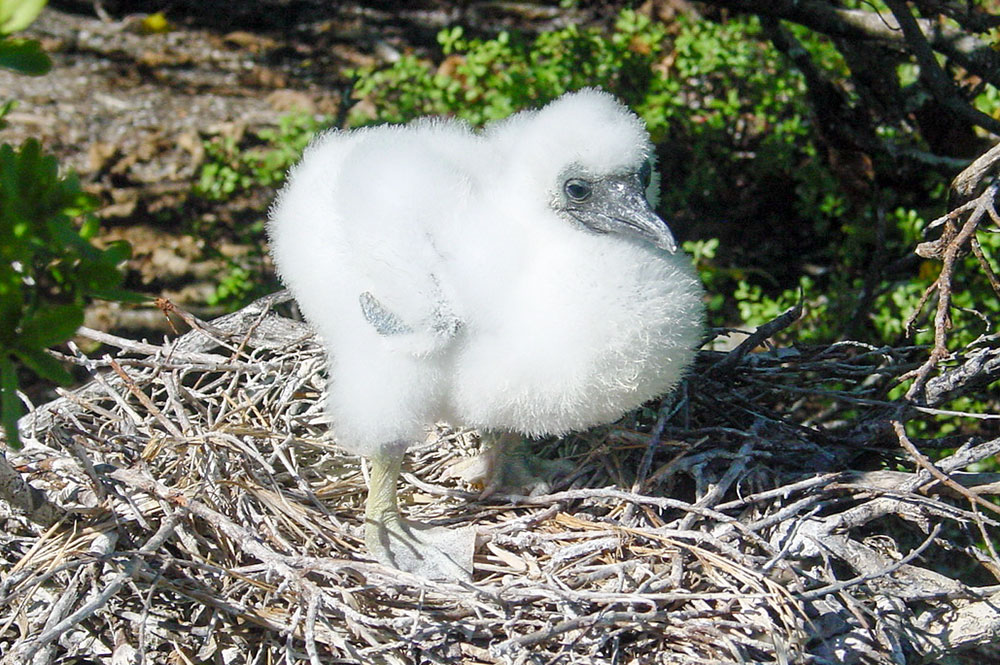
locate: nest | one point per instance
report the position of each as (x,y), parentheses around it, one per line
(188,504)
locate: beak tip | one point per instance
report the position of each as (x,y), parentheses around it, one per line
(667,243)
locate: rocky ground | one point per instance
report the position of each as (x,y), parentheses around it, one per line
(130,111)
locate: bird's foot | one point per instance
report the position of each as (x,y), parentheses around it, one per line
(507,467)
(436,553)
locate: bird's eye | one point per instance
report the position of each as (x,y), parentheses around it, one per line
(646,174)
(577,190)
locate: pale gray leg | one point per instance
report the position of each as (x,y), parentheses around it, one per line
(432,552)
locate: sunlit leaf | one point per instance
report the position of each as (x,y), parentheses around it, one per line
(18,14)
(156,24)
(118,251)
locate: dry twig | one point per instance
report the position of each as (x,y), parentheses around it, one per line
(211,489)
(194,485)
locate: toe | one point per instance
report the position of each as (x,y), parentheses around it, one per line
(435,553)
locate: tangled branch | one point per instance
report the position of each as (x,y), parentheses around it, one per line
(201,489)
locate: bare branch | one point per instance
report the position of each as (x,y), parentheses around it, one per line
(971,53)
(758,337)
(938,82)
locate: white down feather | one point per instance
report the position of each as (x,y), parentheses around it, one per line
(507,315)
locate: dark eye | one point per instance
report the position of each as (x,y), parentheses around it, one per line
(577,190)
(646,174)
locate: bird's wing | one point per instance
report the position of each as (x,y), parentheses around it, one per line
(428,325)
(441,323)
(381,318)
(396,198)
(399,250)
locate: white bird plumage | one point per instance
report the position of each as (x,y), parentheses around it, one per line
(513,280)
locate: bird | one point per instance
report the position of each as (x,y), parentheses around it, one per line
(513,279)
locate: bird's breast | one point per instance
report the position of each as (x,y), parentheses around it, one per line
(578,338)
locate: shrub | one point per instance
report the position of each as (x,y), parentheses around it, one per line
(737,145)
(231,168)
(48,266)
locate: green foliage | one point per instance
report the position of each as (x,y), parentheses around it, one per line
(6,108)
(483,80)
(235,285)
(24,56)
(48,268)
(703,253)
(894,302)
(241,282)
(16,15)
(231,167)
(234,166)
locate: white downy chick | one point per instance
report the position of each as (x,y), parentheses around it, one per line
(513,280)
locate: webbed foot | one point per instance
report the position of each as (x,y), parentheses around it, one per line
(436,553)
(507,466)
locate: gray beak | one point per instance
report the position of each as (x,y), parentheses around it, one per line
(619,205)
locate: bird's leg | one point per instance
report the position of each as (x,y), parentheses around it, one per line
(433,552)
(508,466)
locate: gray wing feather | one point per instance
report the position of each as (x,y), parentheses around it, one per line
(384,321)
(442,322)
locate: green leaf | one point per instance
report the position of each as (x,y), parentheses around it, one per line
(6,108)
(52,325)
(97,277)
(18,14)
(24,56)
(120,295)
(10,406)
(44,365)
(117,252)
(155,24)
(89,227)
(11,305)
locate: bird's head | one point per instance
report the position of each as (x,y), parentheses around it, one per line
(594,158)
